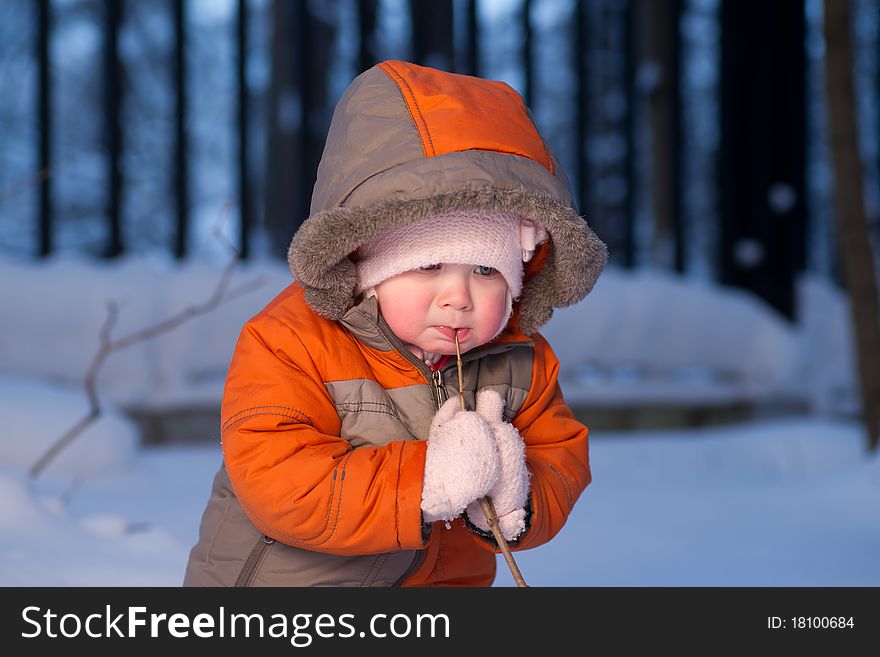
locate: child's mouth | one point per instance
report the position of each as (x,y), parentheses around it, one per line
(449,333)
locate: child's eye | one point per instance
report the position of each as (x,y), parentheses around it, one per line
(483,270)
(430,267)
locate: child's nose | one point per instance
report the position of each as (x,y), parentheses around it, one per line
(455,294)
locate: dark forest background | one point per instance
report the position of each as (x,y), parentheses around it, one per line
(730,141)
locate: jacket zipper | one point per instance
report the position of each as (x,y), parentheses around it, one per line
(434,378)
(245,578)
(440,395)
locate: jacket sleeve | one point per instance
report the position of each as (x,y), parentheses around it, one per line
(296,479)
(557,453)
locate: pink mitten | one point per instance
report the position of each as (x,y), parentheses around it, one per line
(461,463)
(510,494)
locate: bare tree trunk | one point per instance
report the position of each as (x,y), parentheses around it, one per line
(367,48)
(857,260)
(432,40)
(762,159)
(656,19)
(283,175)
(302,46)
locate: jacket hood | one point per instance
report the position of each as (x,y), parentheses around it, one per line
(408,142)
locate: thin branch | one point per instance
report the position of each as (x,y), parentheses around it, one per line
(222,294)
(63,442)
(486,504)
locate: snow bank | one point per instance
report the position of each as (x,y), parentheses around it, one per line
(101,513)
(35,414)
(660,322)
(58,308)
(639,337)
(829,354)
(649,337)
(44,544)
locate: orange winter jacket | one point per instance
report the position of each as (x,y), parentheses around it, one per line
(325,412)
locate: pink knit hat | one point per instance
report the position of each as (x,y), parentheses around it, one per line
(494,240)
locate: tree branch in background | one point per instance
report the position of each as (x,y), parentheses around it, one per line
(854,237)
(107,345)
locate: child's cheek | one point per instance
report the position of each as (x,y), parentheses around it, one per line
(495,307)
(406,311)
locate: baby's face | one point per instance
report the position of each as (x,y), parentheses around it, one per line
(426,306)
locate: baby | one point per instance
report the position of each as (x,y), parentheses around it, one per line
(438,214)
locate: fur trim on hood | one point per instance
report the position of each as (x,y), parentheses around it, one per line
(407,143)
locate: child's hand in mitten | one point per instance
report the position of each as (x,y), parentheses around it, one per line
(510,494)
(461,463)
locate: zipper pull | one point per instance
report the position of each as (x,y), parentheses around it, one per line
(440,395)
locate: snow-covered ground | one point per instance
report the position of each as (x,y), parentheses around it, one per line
(784,502)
